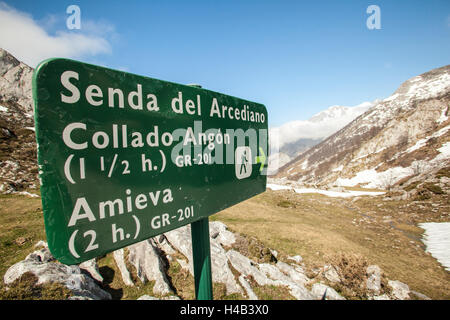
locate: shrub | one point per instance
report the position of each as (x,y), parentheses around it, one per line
(352,272)
(422,195)
(286,204)
(444,172)
(412,186)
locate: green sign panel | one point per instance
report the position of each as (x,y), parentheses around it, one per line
(123,158)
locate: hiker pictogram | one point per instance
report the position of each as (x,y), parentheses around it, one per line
(243,164)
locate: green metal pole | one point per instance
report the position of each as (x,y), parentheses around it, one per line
(201,253)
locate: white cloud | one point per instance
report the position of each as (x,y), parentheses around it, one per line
(320,125)
(29,42)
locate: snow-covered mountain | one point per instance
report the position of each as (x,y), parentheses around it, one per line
(403,137)
(295,137)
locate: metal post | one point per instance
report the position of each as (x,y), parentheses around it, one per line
(201,253)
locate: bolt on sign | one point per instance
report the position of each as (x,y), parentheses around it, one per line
(123,157)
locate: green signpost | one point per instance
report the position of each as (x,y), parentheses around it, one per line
(123,158)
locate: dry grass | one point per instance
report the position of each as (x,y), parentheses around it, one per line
(383,232)
(21,226)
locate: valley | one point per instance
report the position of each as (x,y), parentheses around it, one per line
(352,209)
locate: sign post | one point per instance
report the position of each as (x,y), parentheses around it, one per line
(201,254)
(123,158)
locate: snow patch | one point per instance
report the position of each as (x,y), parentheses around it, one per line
(445,150)
(304,164)
(443,117)
(437,240)
(328,193)
(393,97)
(422,142)
(372,179)
(26,193)
(338,168)
(430,88)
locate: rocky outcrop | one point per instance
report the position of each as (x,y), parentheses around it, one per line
(150,260)
(322,291)
(400,290)
(42,264)
(15,81)
(373,283)
(146,259)
(18,159)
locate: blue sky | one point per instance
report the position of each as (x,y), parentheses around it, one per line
(296,57)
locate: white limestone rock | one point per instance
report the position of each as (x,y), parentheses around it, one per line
(319,290)
(296,259)
(219,231)
(43,266)
(294,274)
(297,290)
(373,282)
(149,265)
(400,290)
(248,288)
(147,297)
(91,267)
(246,267)
(331,274)
(120,262)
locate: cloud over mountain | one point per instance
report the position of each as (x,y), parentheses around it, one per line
(320,126)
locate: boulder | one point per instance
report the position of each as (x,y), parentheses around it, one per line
(41,263)
(247,267)
(144,256)
(331,274)
(381,297)
(419,295)
(320,291)
(147,297)
(91,267)
(219,232)
(297,290)
(400,290)
(294,274)
(120,262)
(373,282)
(220,271)
(180,239)
(248,288)
(297,258)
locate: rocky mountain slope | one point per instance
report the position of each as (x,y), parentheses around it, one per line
(18,165)
(401,140)
(295,137)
